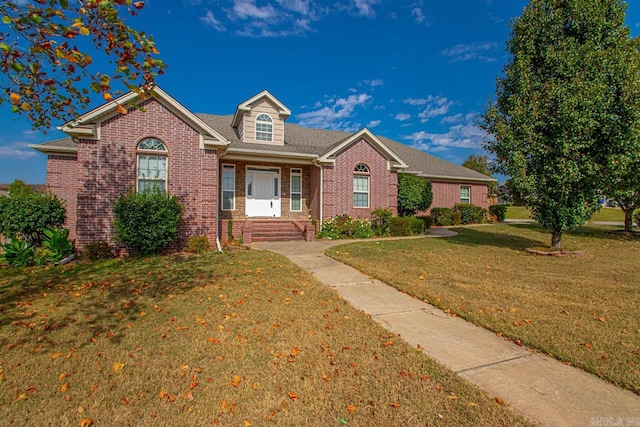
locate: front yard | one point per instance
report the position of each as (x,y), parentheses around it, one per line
(582,310)
(243,338)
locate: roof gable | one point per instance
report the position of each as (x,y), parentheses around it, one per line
(87,125)
(245,106)
(366,134)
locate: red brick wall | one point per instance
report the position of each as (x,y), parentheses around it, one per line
(447,194)
(338,182)
(108,168)
(62,180)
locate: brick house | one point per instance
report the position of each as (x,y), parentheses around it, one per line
(268,178)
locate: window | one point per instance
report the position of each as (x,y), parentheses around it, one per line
(152,166)
(465,194)
(228,187)
(296,190)
(264,128)
(361,186)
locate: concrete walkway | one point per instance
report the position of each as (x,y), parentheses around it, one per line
(547,391)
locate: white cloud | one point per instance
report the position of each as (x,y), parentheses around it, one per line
(463,135)
(415,101)
(418,15)
(211,21)
(375,82)
(336,114)
(401,117)
(363,8)
(435,106)
(470,52)
(247,9)
(373,123)
(17,150)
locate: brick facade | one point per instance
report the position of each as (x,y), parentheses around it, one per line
(447,194)
(107,168)
(62,180)
(338,182)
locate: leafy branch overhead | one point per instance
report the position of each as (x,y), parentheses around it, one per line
(45,61)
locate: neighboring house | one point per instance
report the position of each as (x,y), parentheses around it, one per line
(268,178)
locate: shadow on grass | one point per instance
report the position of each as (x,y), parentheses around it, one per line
(484,236)
(92,300)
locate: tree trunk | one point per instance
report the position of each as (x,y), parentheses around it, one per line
(556,239)
(628,219)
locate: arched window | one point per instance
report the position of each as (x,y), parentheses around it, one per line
(264,128)
(361,177)
(152,166)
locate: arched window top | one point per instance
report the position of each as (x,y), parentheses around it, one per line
(151,144)
(264,118)
(361,168)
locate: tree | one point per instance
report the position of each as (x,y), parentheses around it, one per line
(480,163)
(565,108)
(414,194)
(625,189)
(45,65)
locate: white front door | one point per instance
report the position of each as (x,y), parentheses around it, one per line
(263,192)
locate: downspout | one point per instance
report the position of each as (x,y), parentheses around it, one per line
(218,196)
(317,164)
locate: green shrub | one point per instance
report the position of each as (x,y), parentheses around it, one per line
(26,213)
(469,214)
(499,211)
(456,218)
(147,222)
(95,251)
(345,227)
(18,253)
(441,216)
(42,256)
(380,221)
(199,244)
(401,226)
(428,221)
(58,244)
(414,194)
(417,225)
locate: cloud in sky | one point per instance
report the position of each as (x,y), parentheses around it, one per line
(435,106)
(418,15)
(373,123)
(211,21)
(471,52)
(415,101)
(401,117)
(337,114)
(17,150)
(461,135)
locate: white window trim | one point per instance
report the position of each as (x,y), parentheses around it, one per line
(295,172)
(368,192)
(469,198)
(152,153)
(271,123)
(222,190)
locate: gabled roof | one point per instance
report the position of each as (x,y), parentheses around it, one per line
(329,155)
(86,125)
(245,106)
(61,147)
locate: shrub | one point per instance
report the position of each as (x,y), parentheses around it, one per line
(95,251)
(499,211)
(26,213)
(147,222)
(42,256)
(18,253)
(57,242)
(345,227)
(380,221)
(428,221)
(199,244)
(414,194)
(417,225)
(456,218)
(401,226)
(441,216)
(469,214)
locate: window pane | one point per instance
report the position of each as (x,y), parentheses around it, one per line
(296,183)
(296,202)
(360,200)
(361,183)
(276,188)
(227,200)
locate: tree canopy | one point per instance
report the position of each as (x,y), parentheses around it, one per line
(46,49)
(414,194)
(567,110)
(480,163)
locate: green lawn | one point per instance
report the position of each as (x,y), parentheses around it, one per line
(580,309)
(604,214)
(243,338)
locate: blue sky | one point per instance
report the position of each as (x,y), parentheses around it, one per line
(417,71)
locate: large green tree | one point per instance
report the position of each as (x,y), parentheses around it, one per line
(46,49)
(414,194)
(566,108)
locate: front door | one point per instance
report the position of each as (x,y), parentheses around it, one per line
(263,192)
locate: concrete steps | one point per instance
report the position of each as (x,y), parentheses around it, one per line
(275,231)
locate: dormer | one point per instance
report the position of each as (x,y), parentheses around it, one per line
(260,119)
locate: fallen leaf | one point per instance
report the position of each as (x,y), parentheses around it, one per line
(501,401)
(85,423)
(64,387)
(420,347)
(235,381)
(351,408)
(247,423)
(56,355)
(20,397)
(292,396)
(295,351)
(188,396)
(117,367)
(394,405)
